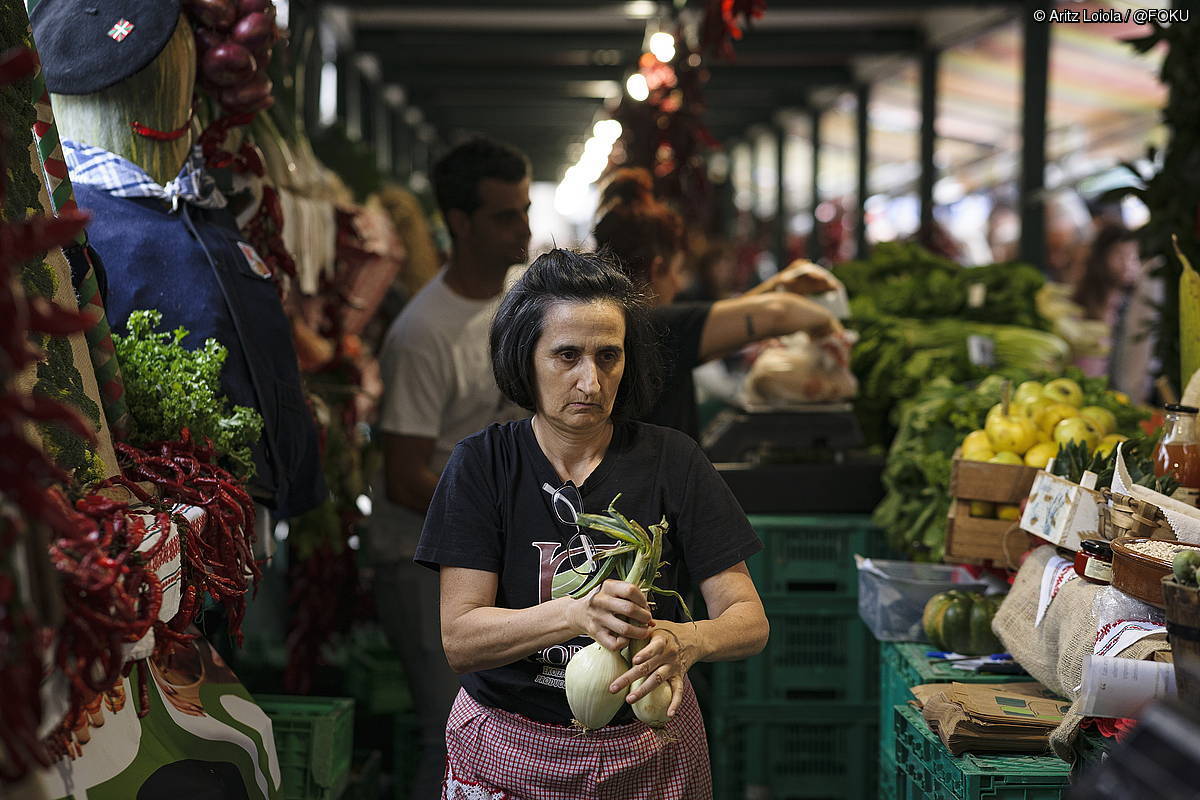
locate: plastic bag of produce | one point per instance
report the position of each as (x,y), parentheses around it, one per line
(801,370)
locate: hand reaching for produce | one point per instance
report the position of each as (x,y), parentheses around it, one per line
(803,277)
(614,614)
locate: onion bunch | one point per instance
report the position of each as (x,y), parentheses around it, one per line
(233,41)
(592,669)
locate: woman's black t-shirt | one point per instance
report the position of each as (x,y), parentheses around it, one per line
(679,327)
(493,511)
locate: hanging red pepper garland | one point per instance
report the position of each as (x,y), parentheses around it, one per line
(25,471)
(218,557)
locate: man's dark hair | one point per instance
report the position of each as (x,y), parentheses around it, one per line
(457,174)
(563,276)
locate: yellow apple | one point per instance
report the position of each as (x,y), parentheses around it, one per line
(1054,414)
(1064,390)
(1102,418)
(1077,429)
(1006,457)
(1109,443)
(1027,391)
(975,439)
(981,509)
(1009,512)
(1040,454)
(1013,433)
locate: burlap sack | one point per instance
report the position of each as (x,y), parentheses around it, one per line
(1054,652)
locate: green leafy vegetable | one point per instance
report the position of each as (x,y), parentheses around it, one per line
(169,388)
(1073,459)
(931,425)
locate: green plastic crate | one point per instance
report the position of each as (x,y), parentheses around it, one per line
(375,679)
(903,665)
(406,748)
(819,651)
(811,554)
(314,737)
(794,753)
(888,781)
(930,771)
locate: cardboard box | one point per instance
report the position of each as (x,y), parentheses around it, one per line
(1061,512)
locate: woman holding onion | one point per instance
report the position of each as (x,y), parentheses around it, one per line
(570,342)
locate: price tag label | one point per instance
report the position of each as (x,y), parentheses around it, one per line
(981,350)
(976,295)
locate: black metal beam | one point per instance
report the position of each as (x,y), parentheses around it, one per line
(929,85)
(814,237)
(781,209)
(863,123)
(1033,139)
(499,76)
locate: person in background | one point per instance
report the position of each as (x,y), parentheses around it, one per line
(438,389)
(1115,289)
(570,342)
(646,238)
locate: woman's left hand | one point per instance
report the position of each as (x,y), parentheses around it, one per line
(666,658)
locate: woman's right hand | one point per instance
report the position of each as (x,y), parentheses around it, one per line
(613,614)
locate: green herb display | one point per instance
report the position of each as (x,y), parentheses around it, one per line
(1073,460)
(906,280)
(169,388)
(916,478)
(895,357)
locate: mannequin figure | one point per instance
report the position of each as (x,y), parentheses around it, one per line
(122,72)
(158,96)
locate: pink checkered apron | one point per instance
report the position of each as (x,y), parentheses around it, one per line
(497,755)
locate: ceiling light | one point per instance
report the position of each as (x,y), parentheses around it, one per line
(607,130)
(662,45)
(637,87)
(641,9)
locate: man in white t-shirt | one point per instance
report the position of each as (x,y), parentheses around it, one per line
(439,389)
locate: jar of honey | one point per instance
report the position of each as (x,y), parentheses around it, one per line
(1178,452)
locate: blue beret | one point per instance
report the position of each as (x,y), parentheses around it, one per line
(89,45)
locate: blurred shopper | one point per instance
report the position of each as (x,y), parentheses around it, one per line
(1115,289)
(439,389)
(646,237)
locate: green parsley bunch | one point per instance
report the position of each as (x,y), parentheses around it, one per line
(169,388)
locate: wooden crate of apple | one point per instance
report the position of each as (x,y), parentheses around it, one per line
(994,468)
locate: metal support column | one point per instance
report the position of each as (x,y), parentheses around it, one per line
(863,97)
(929,86)
(814,238)
(1036,76)
(781,205)
(402,142)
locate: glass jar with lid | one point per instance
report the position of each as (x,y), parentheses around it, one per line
(1179,452)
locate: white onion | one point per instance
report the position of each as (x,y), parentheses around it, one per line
(652,709)
(589,674)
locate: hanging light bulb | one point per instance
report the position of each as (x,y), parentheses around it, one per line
(607,130)
(637,87)
(662,45)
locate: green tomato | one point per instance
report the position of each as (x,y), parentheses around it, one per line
(1185,566)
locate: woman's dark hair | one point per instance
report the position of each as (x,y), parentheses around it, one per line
(1097,283)
(457,174)
(635,227)
(563,276)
